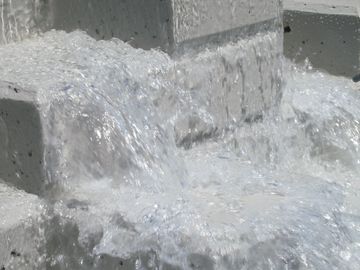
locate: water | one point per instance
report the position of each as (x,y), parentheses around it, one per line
(145,172)
(20,19)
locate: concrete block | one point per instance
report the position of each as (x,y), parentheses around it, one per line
(167,24)
(21,144)
(325,32)
(21,232)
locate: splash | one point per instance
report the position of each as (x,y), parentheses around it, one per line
(151,168)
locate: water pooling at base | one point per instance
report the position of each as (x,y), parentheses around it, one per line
(146,174)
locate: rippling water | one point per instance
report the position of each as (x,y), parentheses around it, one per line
(147,174)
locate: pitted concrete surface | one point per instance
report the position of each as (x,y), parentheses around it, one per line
(334,7)
(325,32)
(142,23)
(21,144)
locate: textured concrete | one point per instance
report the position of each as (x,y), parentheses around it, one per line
(21,150)
(325,32)
(331,7)
(142,23)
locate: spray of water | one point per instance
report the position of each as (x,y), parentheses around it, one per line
(150,168)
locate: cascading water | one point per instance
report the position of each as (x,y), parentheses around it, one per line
(20,19)
(145,172)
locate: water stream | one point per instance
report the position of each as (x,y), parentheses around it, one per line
(144,172)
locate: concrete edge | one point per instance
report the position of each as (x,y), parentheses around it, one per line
(331,7)
(197,45)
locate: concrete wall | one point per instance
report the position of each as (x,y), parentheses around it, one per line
(142,23)
(326,32)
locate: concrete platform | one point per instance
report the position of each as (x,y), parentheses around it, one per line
(325,32)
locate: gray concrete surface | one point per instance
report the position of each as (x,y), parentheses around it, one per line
(325,32)
(331,7)
(21,150)
(142,23)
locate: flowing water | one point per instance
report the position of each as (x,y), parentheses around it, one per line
(144,173)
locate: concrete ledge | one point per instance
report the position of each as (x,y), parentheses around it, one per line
(327,33)
(330,7)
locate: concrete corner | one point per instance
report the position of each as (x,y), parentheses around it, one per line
(21,145)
